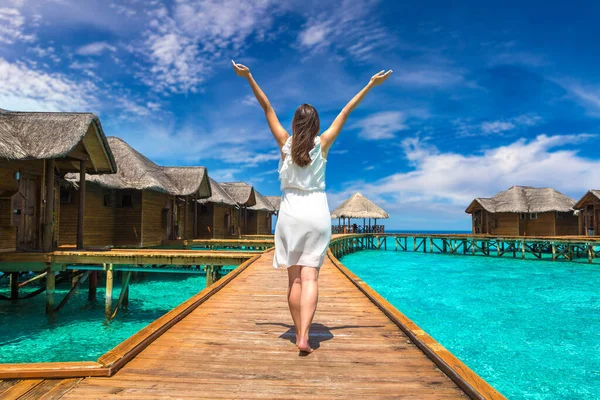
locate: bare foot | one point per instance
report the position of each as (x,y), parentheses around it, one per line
(303,345)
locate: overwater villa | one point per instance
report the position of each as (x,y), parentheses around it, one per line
(358,207)
(524,211)
(260,216)
(589,213)
(37,149)
(245,197)
(141,205)
(218,215)
(275,202)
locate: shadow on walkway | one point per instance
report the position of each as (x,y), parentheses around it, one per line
(318,332)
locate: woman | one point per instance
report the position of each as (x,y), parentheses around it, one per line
(303,223)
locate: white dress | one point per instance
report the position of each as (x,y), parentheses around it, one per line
(303,227)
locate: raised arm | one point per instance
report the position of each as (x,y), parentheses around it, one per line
(329,136)
(279,133)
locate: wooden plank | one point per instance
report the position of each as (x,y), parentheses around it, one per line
(52,370)
(18,390)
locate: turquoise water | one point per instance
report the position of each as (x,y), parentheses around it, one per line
(529,328)
(79,332)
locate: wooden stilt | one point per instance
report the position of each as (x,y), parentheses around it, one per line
(124,289)
(209,275)
(81,205)
(50,285)
(109,290)
(80,278)
(14,285)
(93,285)
(35,278)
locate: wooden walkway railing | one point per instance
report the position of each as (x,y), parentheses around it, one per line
(238,343)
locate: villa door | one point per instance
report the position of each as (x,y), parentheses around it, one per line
(27,231)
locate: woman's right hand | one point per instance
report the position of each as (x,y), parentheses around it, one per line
(240,69)
(380,77)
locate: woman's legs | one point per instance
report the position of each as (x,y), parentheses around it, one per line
(294,293)
(308,304)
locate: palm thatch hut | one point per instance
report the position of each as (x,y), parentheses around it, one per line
(358,207)
(244,196)
(36,150)
(524,211)
(589,213)
(260,216)
(218,214)
(275,202)
(141,205)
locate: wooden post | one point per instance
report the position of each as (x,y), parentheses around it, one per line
(14,285)
(196,218)
(49,215)
(523,248)
(81,208)
(109,290)
(126,276)
(50,285)
(553,252)
(93,285)
(210,279)
(185,218)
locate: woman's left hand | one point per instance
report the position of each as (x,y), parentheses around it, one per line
(240,69)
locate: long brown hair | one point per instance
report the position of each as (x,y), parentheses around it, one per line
(305,127)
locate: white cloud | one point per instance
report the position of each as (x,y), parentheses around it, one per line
(465,128)
(27,89)
(84,65)
(382,125)
(588,96)
(497,127)
(349,27)
(96,48)
(183,42)
(424,75)
(12,25)
(47,52)
(444,183)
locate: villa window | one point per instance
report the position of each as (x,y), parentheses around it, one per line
(65,196)
(107,199)
(523,216)
(533,216)
(126,200)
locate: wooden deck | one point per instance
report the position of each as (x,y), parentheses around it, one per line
(58,260)
(238,344)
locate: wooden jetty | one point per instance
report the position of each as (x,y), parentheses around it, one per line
(556,248)
(235,340)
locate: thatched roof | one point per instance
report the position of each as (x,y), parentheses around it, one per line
(241,192)
(46,135)
(135,171)
(591,195)
(262,204)
(358,206)
(275,201)
(219,195)
(524,199)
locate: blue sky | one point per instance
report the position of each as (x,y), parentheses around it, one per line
(482,97)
